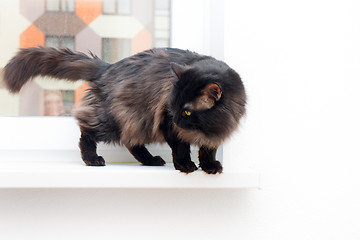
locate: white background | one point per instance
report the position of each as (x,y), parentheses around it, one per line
(300,62)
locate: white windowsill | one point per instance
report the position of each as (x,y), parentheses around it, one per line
(74,174)
(38,152)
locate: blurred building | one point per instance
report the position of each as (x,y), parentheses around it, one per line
(111,29)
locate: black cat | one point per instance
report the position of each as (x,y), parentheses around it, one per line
(159,95)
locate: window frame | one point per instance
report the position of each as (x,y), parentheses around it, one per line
(116,9)
(61,7)
(66,135)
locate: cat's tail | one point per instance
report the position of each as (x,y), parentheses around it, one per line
(46,61)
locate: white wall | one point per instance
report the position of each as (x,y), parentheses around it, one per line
(300,63)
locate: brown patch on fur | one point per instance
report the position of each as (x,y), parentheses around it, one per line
(140,127)
(212,90)
(198,138)
(209,95)
(86,114)
(201,103)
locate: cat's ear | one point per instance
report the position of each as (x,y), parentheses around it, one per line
(210,94)
(178,69)
(213,91)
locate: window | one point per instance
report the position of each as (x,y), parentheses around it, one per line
(114,49)
(134,26)
(117,7)
(60,42)
(58,102)
(60,5)
(162,23)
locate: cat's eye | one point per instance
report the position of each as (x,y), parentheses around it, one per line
(187,113)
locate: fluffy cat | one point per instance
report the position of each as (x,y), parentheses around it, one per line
(159,95)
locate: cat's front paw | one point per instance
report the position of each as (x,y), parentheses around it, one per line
(187,167)
(155,161)
(212,167)
(96,161)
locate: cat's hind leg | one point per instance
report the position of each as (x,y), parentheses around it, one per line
(142,155)
(87,146)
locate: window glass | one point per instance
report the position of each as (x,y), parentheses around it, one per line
(115,49)
(109,6)
(60,5)
(52,5)
(161,23)
(134,26)
(123,6)
(60,42)
(117,7)
(68,5)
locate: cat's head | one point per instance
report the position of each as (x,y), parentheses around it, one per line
(207,97)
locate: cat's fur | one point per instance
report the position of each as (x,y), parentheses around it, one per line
(159,95)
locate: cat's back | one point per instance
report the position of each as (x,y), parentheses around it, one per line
(140,86)
(146,75)
(158,59)
(180,56)
(177,54)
